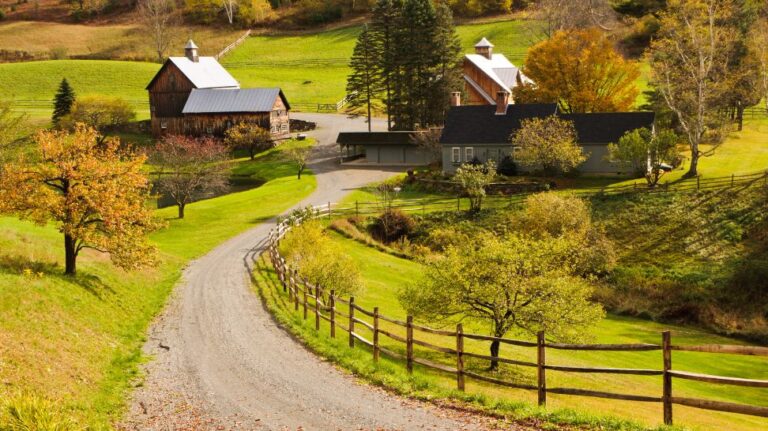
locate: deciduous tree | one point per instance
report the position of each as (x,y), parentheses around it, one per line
(549,144)
(509,284)
(580,71)
(429,141)
(300,157)
(102,113)
(645,152)
(550,16)
(158,17)
(12,125)
(473,179)
(249,137)
(188,168)
(689,64)
(94,191)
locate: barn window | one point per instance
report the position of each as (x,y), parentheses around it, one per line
(209,130)
(456,155)
(284,127)
(469,154)
(164,124)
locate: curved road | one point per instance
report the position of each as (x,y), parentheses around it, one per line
(222,363)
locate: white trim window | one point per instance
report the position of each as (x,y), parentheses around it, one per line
(456,155)
(469,154)
(163,124)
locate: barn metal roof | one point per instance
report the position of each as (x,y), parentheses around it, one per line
(499,69)
(205,73)
(223,100)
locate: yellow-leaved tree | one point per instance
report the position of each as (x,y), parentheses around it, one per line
(93,190)
(581,72)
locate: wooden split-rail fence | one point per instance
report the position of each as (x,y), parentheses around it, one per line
(346,315)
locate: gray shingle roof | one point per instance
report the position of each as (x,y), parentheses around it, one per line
(224,100)
(375,138)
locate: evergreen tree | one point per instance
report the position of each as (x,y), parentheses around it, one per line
(385,25)
(63,101)
(364,83)
(447,51)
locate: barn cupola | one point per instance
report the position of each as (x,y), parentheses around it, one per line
(190,51)
(484,48)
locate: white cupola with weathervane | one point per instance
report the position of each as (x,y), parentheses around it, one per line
(190,51)
(484,48)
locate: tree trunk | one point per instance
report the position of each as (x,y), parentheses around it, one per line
(740,117)
(495,353)
(252,153)
(181,210)
(369,115)
(299,173)
(693,170)
(70,252)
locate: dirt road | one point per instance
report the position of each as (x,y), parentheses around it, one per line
(222,363)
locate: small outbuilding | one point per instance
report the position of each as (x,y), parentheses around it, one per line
(381,149)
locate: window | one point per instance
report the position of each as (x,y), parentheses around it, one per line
(284,127)
(469,154)
(209,130)
(515,150)
(456,155)
(164,124)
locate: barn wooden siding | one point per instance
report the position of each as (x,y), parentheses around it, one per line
(487,84)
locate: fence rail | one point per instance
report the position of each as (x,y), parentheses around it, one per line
(233,45)
(300,293)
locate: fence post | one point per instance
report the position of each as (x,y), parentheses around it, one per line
(409,344)
(733,178)
(332,305)
(357,209)
(329,210)
(666,342)
(698,182)
(460,356)
(376,334)
(304,282)
(317,308)
(540,362)
(295,291)
(351,321)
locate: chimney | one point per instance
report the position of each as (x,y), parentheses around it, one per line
(456,98)
(190,51)
(502,102)
(484,48)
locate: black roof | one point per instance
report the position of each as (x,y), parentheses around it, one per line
(375,138)
(605,128)
(481,125)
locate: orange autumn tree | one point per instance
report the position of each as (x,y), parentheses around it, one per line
(93,191)
(581,72)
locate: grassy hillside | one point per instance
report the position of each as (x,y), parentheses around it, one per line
(38,81)
(77,340)
(120,41)
(383,274)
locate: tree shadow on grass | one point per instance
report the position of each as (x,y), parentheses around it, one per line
(17,265)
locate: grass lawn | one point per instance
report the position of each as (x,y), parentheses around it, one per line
(383,274)
(77,340)
(38,81)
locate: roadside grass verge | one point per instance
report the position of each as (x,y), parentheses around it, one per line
(383,274)
(77,340)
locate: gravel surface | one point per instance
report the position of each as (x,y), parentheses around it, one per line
(220,361)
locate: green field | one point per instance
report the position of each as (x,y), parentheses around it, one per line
(383,274)
(77,340)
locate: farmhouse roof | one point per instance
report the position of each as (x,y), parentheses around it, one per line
(499,69)
(481,125)
(375,138)
(232,100)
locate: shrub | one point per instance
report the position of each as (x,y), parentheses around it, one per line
(440,239)
(2,15)
(58,53)
(392,225)
(319,260)
(100,112)
(548,214)
(507,167)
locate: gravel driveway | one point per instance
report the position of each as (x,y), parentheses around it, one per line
(220,361)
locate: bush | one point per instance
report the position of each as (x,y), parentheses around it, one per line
(58,53)
(319,11)
(319,260)
(2,15)
(392,225)
(507,167)
(548,214)
(440,239)
(100,112)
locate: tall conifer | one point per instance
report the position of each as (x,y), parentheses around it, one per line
(364,83)
(63,101)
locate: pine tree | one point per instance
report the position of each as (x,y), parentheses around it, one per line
(447,52)
(63,101)
(385,25)
(364,83)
